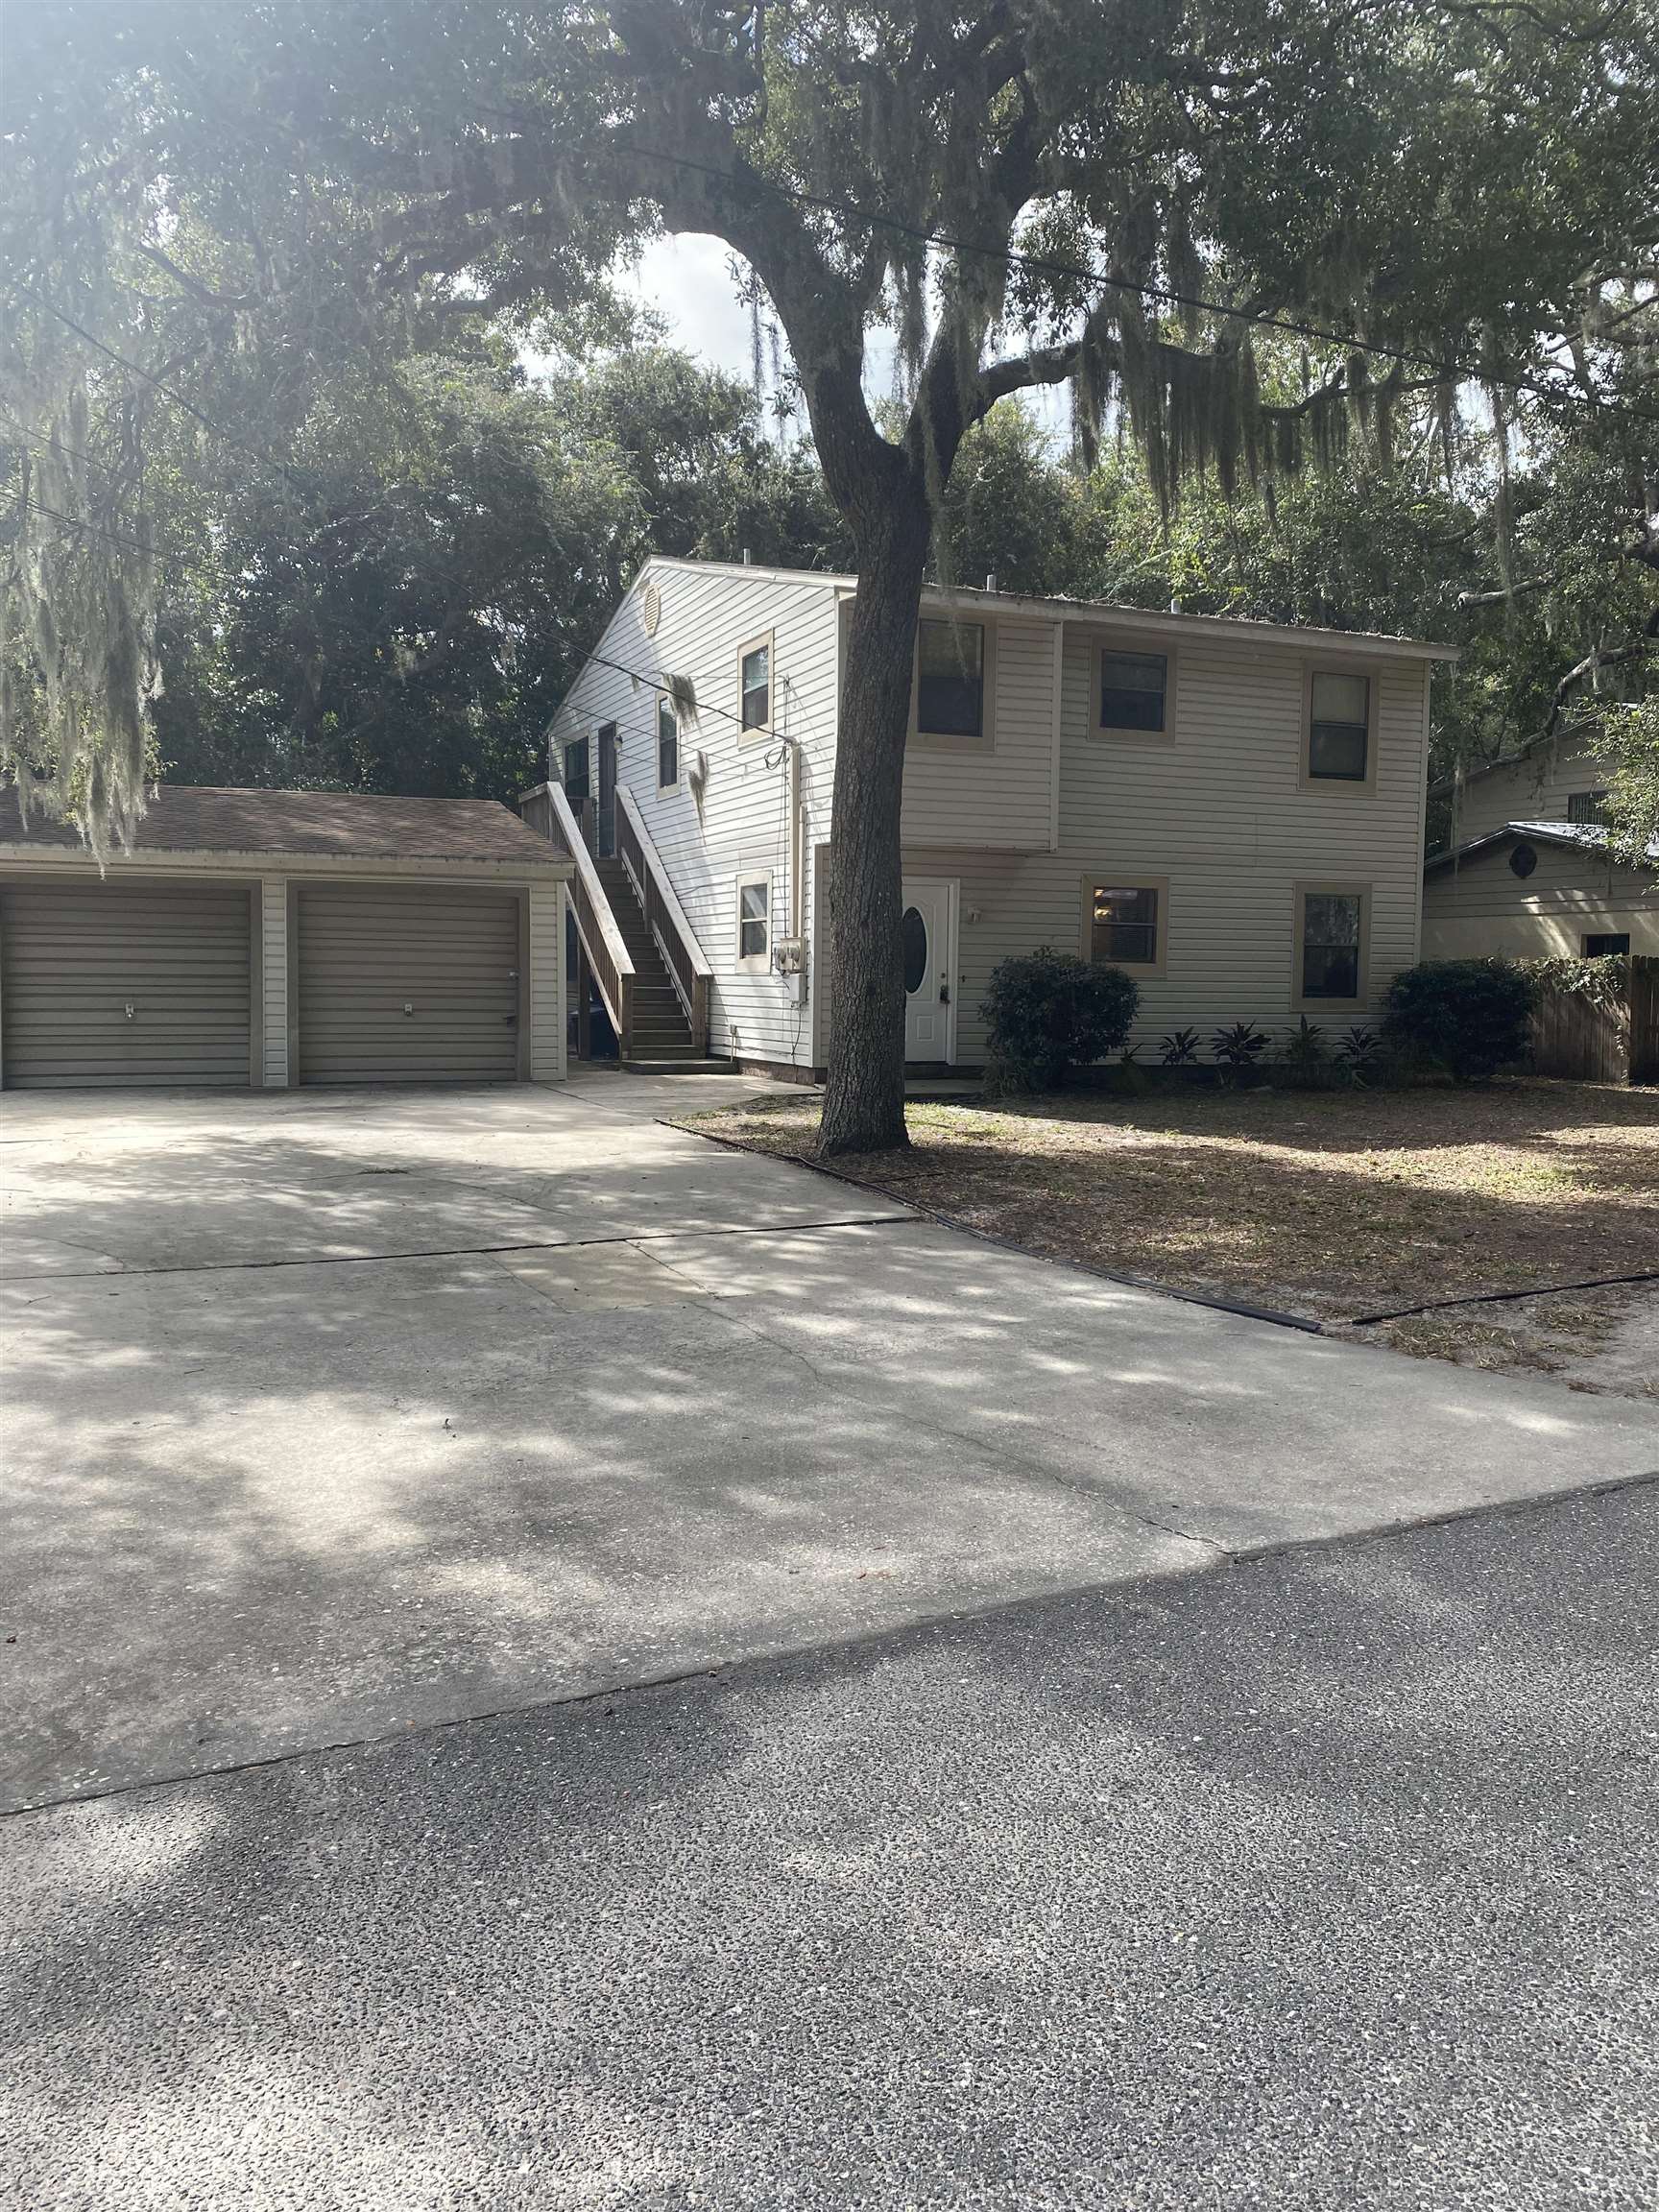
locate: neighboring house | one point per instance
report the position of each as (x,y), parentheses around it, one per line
(1526,869)
(259,939)
(1230,811)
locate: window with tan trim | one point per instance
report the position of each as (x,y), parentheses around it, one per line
(755,921)
(1132,688)
(756,680)
(1339,727)
(955,683)
(1125,918)
(1332,946)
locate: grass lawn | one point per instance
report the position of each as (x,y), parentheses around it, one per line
(1326,1204)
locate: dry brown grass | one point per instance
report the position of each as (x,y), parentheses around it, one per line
(1326,1204)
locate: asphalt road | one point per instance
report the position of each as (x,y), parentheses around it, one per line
(1329,1879)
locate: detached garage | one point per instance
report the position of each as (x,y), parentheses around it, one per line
(255,939)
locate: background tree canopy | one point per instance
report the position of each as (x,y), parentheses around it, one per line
(1354,305)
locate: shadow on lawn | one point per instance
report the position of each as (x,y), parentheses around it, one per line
(1257,1195)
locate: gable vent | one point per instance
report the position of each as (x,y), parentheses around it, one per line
(651,609)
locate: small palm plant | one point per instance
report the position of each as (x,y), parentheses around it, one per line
(1359,1054)
(1238,1049)
(1306,1057)
(1180,1048)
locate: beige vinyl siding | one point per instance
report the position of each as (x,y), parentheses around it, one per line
(545,935)
(1531,790)
(707,615)
(274,962)
(959,796)
(1220,813)
(1480,907)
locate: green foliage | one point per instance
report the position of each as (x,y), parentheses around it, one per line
(1305,1057)
(1628,741)
(1048,1013)
(1359,1054)
(1240,1047)
(1603,981)
(1468,1018)
(408,618)
(1180,1048)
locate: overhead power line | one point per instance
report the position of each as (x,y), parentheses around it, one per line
(1050,266)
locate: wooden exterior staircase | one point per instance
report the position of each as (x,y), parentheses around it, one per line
(636,944)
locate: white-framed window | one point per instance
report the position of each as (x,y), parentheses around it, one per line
(754,687)
(1124,919)
(952,670)
(667,745)
(1338,739)
(755,921)
(1132,688)
(577,785)
(1333,930)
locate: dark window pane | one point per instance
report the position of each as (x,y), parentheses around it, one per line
(757,689)
(1337,749)
(950,679)
(667,745)
(1330,971)
(1132,689)
(1331,945)
(1124,926)
(913,939)
(576,771)
(754,900)
(1596,948)
(1587,806)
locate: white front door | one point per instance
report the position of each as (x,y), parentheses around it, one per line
(925,934)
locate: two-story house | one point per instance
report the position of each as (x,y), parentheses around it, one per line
(1524,867)
(1230,811)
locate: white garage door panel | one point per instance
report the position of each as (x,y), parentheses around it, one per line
(449,954)
(74,957)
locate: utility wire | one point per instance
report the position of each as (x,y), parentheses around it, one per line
(265,460)
(1048,265)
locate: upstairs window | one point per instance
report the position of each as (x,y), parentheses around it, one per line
(1133,691)
(1124,925)
(1332,928)
(576,785)
(1587,806)
(1338,727)
(668,746)
(950,679)
(754,684)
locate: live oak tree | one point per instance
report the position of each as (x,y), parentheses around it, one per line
(1106,194)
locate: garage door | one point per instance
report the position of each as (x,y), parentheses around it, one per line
(106,984)
(412,985)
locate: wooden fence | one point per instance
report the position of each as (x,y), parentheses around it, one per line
(1574,1037)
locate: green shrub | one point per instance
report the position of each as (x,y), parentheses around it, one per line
(1466,1017)
(1305,1057)
(1048,1013)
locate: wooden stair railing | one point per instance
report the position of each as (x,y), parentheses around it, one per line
(671,932)
(547,809)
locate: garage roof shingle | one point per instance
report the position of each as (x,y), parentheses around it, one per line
(183,818)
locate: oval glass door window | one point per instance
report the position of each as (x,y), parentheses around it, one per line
(913,936)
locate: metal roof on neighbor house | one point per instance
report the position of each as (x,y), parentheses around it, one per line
(184,818)
(1588,836)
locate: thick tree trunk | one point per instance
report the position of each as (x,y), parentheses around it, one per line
(864,1104)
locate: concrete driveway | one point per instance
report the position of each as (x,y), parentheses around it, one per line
(333,1415)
